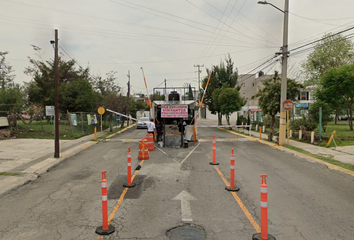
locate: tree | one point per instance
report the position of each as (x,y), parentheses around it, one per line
(78,96)
(269,97)
(12,97)
(41,89)
(326,113)
(107,85)
(222,76)
(138,106)
(190,93)
(157,96)
(6,76)
(330,52)
(338,89)
(230,101)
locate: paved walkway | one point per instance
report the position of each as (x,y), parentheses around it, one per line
(29,158)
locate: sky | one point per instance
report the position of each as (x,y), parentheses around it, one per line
(168,39)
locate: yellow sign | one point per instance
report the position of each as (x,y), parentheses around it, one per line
(101,110)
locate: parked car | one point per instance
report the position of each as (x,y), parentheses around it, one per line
(143,122)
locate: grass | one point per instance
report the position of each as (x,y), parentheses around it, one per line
(323,158)
(343,136)
(8,174)
(45,130)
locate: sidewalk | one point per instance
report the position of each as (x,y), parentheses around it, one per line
(342,154)
(24,160)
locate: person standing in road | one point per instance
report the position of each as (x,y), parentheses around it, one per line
(181,126)
(159,131)
(151,126)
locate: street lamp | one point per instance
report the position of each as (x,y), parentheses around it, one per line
(282,128)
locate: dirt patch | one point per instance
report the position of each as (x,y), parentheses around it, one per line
(5,134)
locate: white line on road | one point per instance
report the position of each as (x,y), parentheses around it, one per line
(186,210)
(189,154)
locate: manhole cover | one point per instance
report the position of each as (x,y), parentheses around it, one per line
(187,232)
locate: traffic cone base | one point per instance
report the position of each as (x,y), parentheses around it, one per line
(110,230)
(214,163)
(257,236)
(235,189)
(129,186)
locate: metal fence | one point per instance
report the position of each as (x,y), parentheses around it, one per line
(83,123)
(74,124)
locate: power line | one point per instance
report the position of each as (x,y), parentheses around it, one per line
(332,35)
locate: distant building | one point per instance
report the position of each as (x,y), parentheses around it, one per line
(250,83)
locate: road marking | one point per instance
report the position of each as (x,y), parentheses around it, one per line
(208,156)
(240,203)
(120,200)
(185,197)
(189,154)
(168,155)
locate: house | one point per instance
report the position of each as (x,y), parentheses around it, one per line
(250,83)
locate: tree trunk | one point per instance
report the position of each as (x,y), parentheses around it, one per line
(271,131)
(219,118)
(228,119)
(350,119)
(336,118)
(122,125)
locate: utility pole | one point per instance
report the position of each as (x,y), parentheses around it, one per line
(166,97)
(284,76)
(56,89)
(199,71)
(128,95)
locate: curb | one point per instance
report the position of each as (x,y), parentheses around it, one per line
(304,156)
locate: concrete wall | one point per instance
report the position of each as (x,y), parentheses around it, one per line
(214,117)
(4,122)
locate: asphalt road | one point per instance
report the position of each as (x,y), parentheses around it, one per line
(177,189)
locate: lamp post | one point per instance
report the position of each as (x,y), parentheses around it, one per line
(284,74)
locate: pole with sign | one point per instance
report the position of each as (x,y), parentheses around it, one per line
(101,111)
(287,105)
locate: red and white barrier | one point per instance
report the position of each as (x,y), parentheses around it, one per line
(232,174)
(214,153)
(264,212)
(129,172)
(105,229)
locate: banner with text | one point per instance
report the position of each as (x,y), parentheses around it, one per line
(174,111)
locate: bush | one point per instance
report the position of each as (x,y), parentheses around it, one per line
(305,122)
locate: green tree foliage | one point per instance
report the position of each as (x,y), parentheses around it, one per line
(222,76)
(12,96)
(105,89)
(230,101)
(78,96)
(6,76)
(326,113)
(338,89)
(190,93)
(331,52)
(269,97)
(41,89)
(138,106)
(157,96)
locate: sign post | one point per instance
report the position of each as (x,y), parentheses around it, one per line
(287,105)
(101,111)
